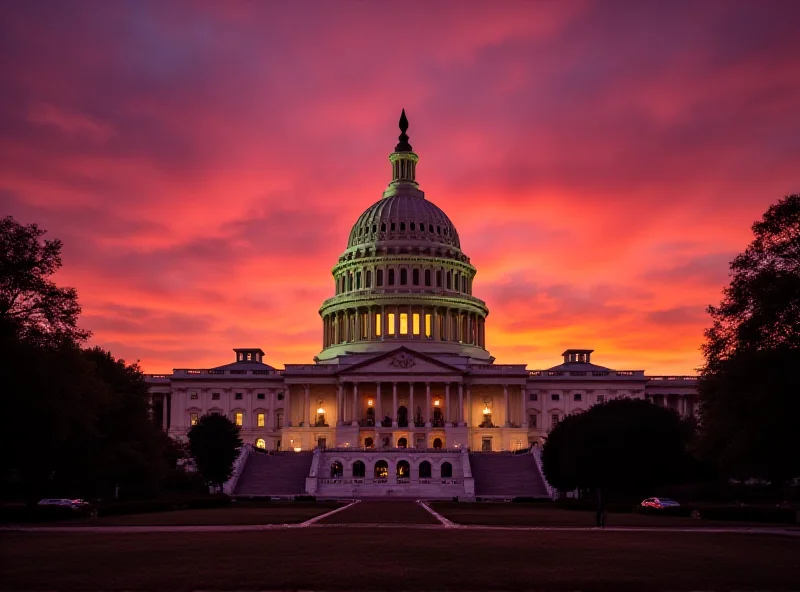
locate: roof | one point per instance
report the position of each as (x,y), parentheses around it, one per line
(579,367)
(244,366)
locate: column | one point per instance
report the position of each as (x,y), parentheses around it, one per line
(523,395)
(437,335)
(393,414)
(287,406)
(378,406)
(355,404)
(340,405)
(468,419)
(427,404)
(507,408)
(307,405)
(370,322)
(447,415)
(249,419)
(460,414)
(412,418)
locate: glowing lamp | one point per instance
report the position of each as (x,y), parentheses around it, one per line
(436,403)
(486,410)
(369,402)
(297,449)
(320,411)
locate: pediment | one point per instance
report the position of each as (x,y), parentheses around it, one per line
(402,361)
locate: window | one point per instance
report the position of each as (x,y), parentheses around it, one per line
(415,277)
(424,470)
(383,227)
(261,396)
(601,398)
(403,277)
(415,323)
(403,323)
(279,420)
(554,419)
(215,396)
(390,322)
(358,280)
(359,469)
(239,418)
(392,227)
(193,396)
(193,419)
(427,277)
(532,420)
(447,470)
(427,325)
(379,277)
(369,280)
(391,277)
(577,397)
(533,397)
(449,280)
(280,396)
(438,278)
(260,443)
(402,226)
(378,324)
(555,397)
(238,396)
(413,226)
(260,420)
(381,469)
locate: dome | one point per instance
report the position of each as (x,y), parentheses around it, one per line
(404,217)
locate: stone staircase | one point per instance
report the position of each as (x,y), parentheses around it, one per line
(506,475)
(281,474)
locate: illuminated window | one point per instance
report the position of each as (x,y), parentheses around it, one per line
(415,323)
(378,324)
(193,418)
(390,321)
(260,443)
(427,325)
(403,323)
(239,418)
(260,420)
(215,396)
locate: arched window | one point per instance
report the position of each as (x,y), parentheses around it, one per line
(402,443)
(261,443)
(424,470)
(403,469)
(437,443)
(369,443)
(337,470)
(447,470)
(359,469)
(381,469)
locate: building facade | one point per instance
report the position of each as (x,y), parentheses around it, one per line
(404,363)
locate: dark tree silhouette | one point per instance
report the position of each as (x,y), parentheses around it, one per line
(214,443)
(749,384)
(30,302)
(626,446)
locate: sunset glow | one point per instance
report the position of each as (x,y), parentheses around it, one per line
(203,162)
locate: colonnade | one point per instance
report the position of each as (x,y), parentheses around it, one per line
(385,322)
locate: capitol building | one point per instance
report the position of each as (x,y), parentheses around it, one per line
(403,399)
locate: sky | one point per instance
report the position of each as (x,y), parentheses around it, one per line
(203,161)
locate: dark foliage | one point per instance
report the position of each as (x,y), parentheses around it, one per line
(623,446)
(214,444)
(749,384)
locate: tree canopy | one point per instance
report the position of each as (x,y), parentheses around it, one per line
(749,385)
(214,444)
(625,445)
(30,301)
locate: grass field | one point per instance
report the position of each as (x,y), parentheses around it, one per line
(398,559)
(545,515)
(271,513)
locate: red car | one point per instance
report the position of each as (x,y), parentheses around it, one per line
(659,503)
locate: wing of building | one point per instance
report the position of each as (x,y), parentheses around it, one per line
(403,375)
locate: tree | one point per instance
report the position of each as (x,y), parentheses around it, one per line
(214,443)
(628,446)
(749,384)
(30,301)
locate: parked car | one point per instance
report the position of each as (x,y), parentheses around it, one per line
(73,504)
(659,503)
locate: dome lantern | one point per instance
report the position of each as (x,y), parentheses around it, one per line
(404,163)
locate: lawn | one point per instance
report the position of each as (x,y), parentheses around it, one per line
(269,513)
(510,514)
(398,559)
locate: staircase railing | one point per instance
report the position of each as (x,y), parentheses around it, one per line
(536,451)
(238,467)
